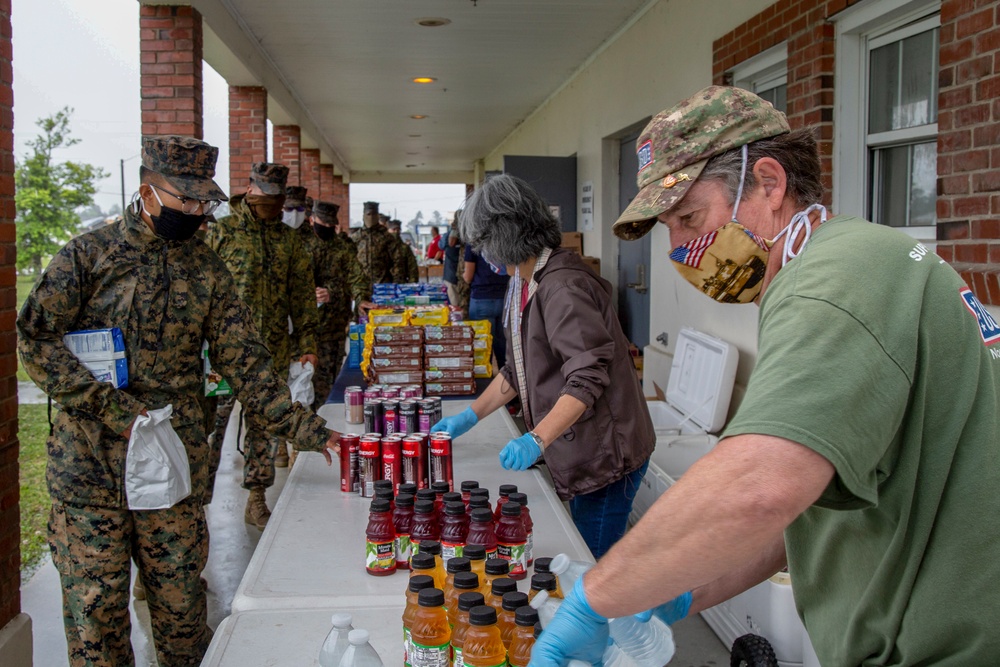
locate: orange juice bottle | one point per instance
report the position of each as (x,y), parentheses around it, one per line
(465,582)
(417,583)
(455,565)
(541,582)
(496,568)
(500,587)
(434,547)
(466,601)
(425,564)
(483,646)
(524,636)
(542,566)
(477,559)
(430,634)
(511,603)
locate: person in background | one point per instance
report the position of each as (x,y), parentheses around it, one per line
(376,249)
(487,288)
(166,292)
(434,249)
(567,360)
(451,261)
(864,455)
(405,268)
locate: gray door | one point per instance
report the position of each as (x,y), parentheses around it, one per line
(553,178)
(633,256)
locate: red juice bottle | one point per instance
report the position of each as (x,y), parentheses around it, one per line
(467,488)
(505,491)
(450,497)
(402,520)
(529,549)
(424,526)
(511,540)
(380,551)
(482,531)
(439,489)
(454,530)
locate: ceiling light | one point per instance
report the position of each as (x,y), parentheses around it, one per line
(424,79)
(410,165)
(418,116)
(432,22)
(415,136)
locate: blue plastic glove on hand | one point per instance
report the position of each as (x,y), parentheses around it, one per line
(520,453)
(457,425)
(668,612)
(576,631)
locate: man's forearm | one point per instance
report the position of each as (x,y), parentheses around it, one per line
(498,393)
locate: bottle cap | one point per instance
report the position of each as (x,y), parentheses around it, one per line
(459,564)
(452,497)
(503,585)
(507,489)
(408,487)
(511,508)
(432,547)
(466,580)
(559,564)
(483,615)
(385,494)
(382,484)
(498,566)
(440,487)
(469,485)
(419,582)
(541,564)
(475,552)
(341,620)
(480,493)
(404,500)
(514,599)
(526,616)
(431,597)
(424,507)
(481,515)
(538,629)
(520,498)
(426,494)
(380,505)
(467,601)
(454,508)
(357,637)
(478,502)
(541,581)
(422,561)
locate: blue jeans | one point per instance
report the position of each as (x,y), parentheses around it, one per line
(602,516)
(492,310)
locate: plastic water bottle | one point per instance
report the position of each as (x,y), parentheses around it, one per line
(336,641)
(360,653)
(547,607)
(649,644)
(615,657)
(568,571)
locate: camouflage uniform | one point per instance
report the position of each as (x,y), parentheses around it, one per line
(273,274)
(376,249)
(404,266)
(336,268)
(166,297)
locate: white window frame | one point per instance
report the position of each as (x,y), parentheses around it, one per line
(764,71)
(858,29)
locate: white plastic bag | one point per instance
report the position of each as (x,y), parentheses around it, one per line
(157,473)
(300,382)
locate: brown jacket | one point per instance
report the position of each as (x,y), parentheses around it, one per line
(574,344)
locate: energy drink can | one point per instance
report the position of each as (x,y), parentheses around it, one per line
(374,416)
(392,461)
(425,416)
(411,392)
(349,467)
(372,393)
(415,460)
(354,400)
(391,392)
(390,417)
(407,419)
(370,463)
(440,459)
(438,413)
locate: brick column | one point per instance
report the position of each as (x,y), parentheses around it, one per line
(326,182)
(10,523)
(342,197)
(309,171)
(247,132)
(170,52)
(287,145)
(968,187)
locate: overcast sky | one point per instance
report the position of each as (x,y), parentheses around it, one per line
(85,54)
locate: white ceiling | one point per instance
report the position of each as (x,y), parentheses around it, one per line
(343,69)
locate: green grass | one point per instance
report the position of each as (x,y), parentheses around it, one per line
(35,502)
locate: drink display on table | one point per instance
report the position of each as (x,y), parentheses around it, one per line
(416,583)
(529,548)
(496,568)
(483,645)
(336,642)
(466,601)
(505,619)
(380,538)
(454,530)
(425,525)
(477,559)
(541,581)
(482,531)
(505,491)
(543,566)
(466,488)
(441,467)
(402,521)
(523,639)
(511,540)
(350,470)
(465,582)
(430,633)
(454,567)
(392,460)
(415,460)
(433,547)
(359,652)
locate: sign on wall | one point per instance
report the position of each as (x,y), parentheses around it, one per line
(587,206)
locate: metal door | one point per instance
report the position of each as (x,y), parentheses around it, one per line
(633,256)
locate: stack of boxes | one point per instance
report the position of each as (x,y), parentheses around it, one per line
(449,360)
(395,356)
(482,346)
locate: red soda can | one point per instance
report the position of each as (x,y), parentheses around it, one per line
(390,417)
(392,461)
(440,459)
(370,464)
(415,460)
(349,469)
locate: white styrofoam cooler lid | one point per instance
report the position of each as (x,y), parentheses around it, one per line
(701,378)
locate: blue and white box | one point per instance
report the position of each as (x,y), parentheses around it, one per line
(102,352)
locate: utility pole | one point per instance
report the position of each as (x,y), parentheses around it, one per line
(123,185)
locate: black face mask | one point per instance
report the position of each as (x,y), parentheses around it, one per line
(174,225)
(325,232)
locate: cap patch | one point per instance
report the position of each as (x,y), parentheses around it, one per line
(645,154)
(672,180)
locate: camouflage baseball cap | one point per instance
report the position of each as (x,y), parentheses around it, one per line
(677,144)
(270,177)
(186,163)
(371,207)
(295,195)
(326,211)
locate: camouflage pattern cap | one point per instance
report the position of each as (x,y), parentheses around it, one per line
(295,195)
(326,211)
(394,224)
(270,177)
(186,163)
(371,207)
(678,142)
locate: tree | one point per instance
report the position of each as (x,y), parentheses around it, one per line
(418,219)
(436,219)
(49,193)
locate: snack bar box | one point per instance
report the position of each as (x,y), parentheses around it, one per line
(102,352)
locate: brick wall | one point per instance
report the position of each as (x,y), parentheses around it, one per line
(309,171)
(247,132)
(342,197)
(287,144)
(170,55)
(10,542)
(968,204)
(326,182)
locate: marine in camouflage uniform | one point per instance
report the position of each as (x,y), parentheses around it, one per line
(405,267)
(273,274)
(376,248)
(166,296)
(336,270)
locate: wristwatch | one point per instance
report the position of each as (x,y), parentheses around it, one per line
(538,440)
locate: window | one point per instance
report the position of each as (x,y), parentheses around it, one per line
(767,75)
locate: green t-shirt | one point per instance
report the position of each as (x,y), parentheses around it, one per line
(874,354)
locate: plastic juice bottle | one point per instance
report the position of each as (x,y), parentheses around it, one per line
(465,582)
(529,549)
(439,489)
(482,531)
(498,589)
(496,568)
(511,540)
(467,488)
(543,566)
(447,499)
(542,582)
(479,502)
(380,547)
(480,494)
(434,548)
(511,603)
(455,566)
(417,583)
(425,525)
(424,564)
(454,530)
(477,559)
(525,619)
(408,487)
(386,493)
(402,520)
(466,601)
(430,634)
(483,645)
(505,491)
(426,494)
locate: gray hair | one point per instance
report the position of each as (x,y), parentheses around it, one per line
(507,223)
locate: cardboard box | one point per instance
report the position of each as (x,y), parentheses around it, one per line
(573,241)
(102,352)
(594,263)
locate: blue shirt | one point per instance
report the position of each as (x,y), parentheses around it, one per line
(485,283)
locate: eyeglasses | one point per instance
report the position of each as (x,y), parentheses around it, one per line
(189,205)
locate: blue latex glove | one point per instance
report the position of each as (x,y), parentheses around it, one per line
(520,453)
(457,425)
(576,631)
(668,612)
